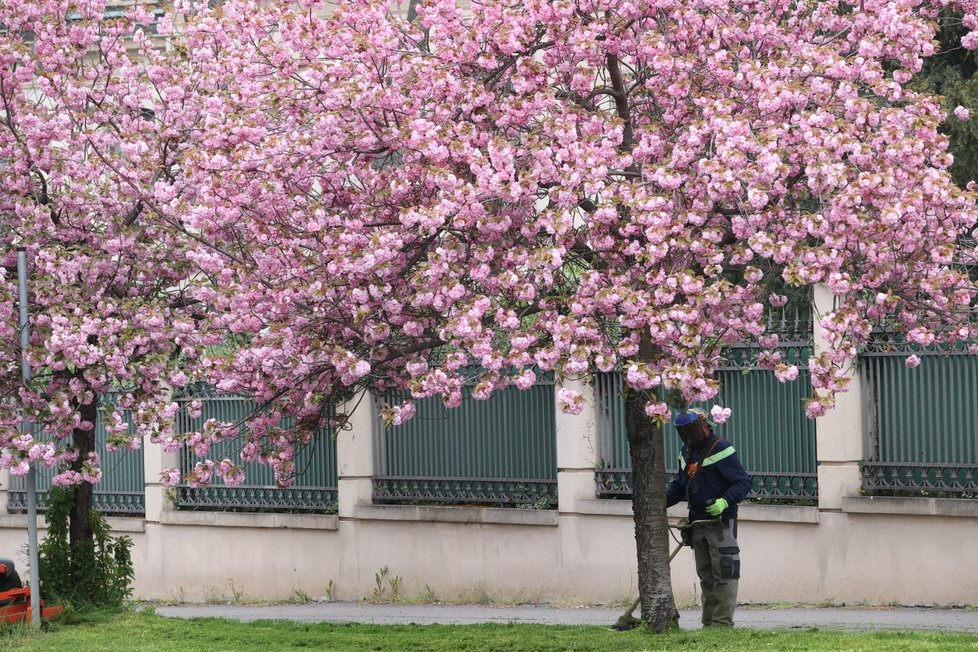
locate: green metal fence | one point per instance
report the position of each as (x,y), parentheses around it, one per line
(769,429)
(496,452)
(920,425)
(315,486)
(121,491)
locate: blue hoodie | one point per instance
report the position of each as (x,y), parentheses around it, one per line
(707,472)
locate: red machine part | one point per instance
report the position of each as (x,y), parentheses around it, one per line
(15,604)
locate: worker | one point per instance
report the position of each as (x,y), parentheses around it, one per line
(712,481)
(9,579)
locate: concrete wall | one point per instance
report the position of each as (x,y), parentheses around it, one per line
(901,551)
(849,548)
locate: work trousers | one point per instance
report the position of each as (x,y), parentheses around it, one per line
(718,566)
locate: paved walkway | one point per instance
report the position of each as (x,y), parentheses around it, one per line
(951,620)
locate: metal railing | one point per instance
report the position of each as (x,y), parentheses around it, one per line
(315,485)
(121,491)
(499,452)
(920,425)
(768,427)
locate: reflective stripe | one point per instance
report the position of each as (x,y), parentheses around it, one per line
(722,455)
(682,461)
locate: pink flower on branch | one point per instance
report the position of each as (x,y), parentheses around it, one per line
(170,477)
(403,413)
(569,401)
(720,414)
(786,373)
(658,411)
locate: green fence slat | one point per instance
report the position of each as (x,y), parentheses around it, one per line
(314,488)
(921,424)
(121,490)
(498,451)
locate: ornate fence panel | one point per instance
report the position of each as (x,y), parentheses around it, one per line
(121,491)
(496,452)
(315,485)
(769,429)
(920,425)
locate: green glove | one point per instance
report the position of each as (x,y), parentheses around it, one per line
(717,507)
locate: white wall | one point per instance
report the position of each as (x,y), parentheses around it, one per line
(875,551)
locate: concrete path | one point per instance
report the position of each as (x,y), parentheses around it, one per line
(922,619)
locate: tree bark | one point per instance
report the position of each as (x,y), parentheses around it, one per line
(647,449)
(80,535)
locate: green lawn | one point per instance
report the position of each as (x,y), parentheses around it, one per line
(147,631)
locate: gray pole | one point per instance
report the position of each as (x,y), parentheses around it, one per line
(25,368)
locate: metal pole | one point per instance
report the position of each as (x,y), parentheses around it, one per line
(25,368)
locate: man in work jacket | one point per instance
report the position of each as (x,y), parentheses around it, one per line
(712,480)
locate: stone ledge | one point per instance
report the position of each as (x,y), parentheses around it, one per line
(963,507)
(778,513)
(496,515)
(118,524)
(232,519)
(747,511)
(604,507)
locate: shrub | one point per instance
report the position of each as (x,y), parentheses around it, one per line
(97,573)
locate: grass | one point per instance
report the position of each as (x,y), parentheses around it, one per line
(146,631)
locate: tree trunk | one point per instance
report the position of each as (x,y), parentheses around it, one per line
(80,537)
(647,450)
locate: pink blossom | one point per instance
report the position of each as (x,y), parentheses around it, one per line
(569,401)
(962,113)
(658,411)
(769,359)
(43,453)
(902,76)
(91,475)
(720,414)
(67,478)
(912,361)
(639,378)
(170,477)
(403,413)
(232,474)
(769,341)
(786,373)
(526,379)
(815,409)
(178,378)
(201,474)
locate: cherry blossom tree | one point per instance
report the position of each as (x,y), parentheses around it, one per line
(566,186)
(91,126)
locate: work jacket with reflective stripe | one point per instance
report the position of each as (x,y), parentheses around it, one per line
(707,472)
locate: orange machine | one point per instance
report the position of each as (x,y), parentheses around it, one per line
(15,598)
